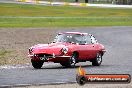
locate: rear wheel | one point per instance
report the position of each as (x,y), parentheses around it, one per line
(37,64)
(98,60)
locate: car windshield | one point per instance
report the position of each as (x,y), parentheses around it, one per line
(70,38)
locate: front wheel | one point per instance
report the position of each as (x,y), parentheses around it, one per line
(37,64)
(71,62)
(98,60)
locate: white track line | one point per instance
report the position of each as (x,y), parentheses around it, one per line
(19,66)
(14,66)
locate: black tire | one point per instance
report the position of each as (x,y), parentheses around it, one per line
(37,64)
(71,62)
(98,60)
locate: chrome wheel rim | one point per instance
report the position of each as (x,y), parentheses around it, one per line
(99,58)
(73,61)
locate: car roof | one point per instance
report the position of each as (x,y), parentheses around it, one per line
(73,33)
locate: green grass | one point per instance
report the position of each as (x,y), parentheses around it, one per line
(12,15)
(65,11)
(63,22)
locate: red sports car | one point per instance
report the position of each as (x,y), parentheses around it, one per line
(68,48)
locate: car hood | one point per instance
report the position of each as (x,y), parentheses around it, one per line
(49,48)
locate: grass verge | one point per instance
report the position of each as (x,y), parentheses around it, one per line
(65,22)
(19,15)
(60,11)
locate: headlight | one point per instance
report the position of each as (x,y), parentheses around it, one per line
(65,50)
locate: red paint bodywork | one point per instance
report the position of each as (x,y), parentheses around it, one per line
(86,52)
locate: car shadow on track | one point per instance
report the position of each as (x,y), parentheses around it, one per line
(61,67)
(77,66)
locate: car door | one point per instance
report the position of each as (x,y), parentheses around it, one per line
(85,48)
(80,45)
(94,44)
(89,47)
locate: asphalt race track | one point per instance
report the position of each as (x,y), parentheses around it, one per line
(117,60)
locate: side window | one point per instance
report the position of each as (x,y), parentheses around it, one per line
(88,39)
(93,40)
(80,39)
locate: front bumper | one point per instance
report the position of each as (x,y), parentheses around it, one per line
(51,56)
